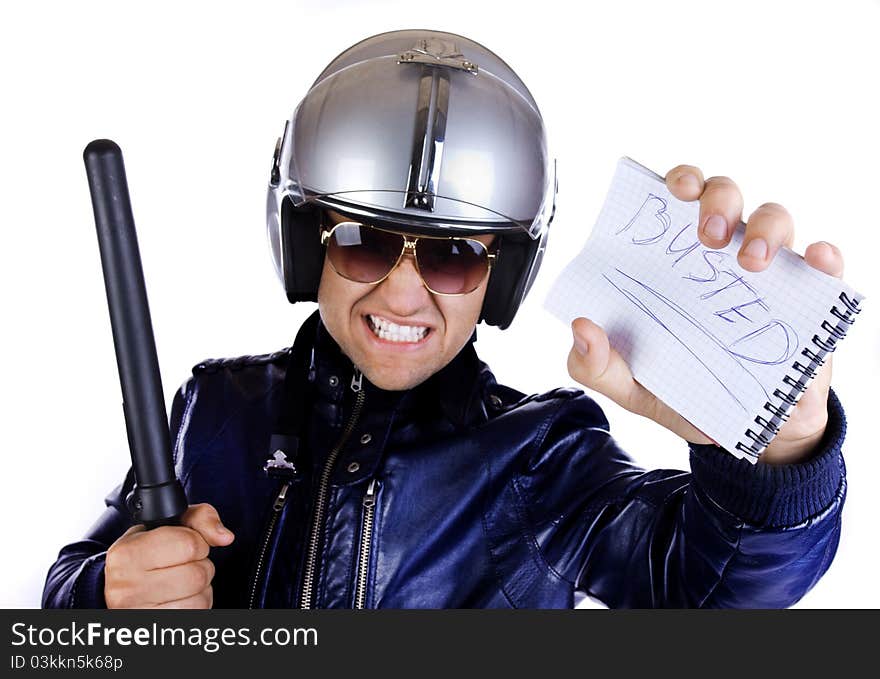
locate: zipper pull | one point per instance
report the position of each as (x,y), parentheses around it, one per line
(281,499)
(356,380)
(370,497)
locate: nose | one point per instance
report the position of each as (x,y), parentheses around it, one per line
(403,291)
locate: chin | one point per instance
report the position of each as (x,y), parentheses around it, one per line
(393,380)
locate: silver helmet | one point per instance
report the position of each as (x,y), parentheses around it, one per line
(423,131)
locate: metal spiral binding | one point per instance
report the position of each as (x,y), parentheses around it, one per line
(797,384)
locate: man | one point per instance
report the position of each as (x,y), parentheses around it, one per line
(377,463)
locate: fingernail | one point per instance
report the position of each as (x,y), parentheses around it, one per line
(716,227)
(220,528)
(756,249)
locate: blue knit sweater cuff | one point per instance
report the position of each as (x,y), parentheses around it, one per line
(88,588)
(774,495)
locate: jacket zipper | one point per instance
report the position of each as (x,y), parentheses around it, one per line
(360,590)
(277,506)
(321,498)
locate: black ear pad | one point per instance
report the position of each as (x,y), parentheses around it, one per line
(301,251)
(508,280)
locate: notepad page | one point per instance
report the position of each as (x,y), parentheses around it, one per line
(710,339)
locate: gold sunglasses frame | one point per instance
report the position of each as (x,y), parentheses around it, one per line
(409,243)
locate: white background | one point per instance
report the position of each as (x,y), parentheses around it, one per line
(783,97)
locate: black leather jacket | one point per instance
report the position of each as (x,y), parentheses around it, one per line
(465,493)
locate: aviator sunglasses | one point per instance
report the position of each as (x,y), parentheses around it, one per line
(447,265)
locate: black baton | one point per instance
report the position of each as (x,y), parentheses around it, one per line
(158,498)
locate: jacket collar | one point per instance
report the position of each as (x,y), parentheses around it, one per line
(455,387)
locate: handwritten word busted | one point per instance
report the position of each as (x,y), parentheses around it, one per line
(733,299)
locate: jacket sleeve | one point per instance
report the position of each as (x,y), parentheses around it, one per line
(76,579)
(728,534)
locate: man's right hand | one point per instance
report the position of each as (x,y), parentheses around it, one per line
(167,567)
(598,366)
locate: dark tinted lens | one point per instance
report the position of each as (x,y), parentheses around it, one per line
(363,254)
(452,266)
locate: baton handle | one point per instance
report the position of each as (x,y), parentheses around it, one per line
(158,498)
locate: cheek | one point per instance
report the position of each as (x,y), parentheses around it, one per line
(334,300)
(326,293)
(337,297)
(461,315)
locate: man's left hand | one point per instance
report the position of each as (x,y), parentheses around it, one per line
(769,228)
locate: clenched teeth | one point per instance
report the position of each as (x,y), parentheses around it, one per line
(392,332)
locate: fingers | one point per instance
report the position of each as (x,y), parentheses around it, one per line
(204,599)
(205,520)
(139,528)
(721,206)
(769,228)
(721,202)
(142,550)
(200,528)
(825,257)
(154,588)
(685,182)
(177,582)
(161,547)
(168,565)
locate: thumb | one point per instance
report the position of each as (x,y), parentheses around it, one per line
(596,365)
(204,519)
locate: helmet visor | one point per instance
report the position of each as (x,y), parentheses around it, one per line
(420,145)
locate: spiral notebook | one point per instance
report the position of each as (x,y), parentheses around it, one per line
(730,350)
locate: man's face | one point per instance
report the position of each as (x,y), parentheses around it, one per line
(349,310)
